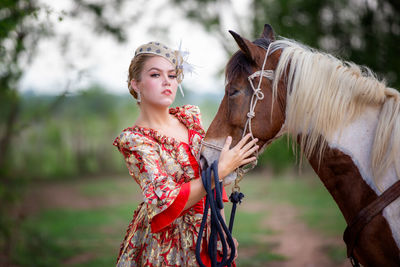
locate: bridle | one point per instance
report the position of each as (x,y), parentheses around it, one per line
(257,95)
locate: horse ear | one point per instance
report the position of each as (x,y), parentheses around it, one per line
(268,33)
(245,45)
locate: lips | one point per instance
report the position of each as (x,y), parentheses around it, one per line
(167,92)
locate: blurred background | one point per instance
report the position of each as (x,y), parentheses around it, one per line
(65,194)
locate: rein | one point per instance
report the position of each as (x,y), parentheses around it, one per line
(219,230)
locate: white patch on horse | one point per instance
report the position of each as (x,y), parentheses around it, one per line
(356,141)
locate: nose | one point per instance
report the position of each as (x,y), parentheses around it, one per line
(166,79)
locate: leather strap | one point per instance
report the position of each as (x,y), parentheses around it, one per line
(354,229)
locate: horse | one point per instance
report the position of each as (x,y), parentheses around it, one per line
(345,121)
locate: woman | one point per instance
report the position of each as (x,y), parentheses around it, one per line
(160,151)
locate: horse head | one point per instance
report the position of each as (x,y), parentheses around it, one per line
(242,79)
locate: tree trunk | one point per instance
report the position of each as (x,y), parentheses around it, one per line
(6,139)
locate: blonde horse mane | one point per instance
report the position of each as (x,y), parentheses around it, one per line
(324,94)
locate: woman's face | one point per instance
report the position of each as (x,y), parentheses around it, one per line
(158,84)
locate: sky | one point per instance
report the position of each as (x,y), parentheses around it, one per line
(99,59)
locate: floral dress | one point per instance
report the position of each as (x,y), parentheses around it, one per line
(161,233)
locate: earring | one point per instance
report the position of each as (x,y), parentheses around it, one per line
(138,99)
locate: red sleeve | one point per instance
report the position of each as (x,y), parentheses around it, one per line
(165,218)
(224,195)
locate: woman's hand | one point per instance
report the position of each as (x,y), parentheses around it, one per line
(239,155)
(230,251)
(236,249)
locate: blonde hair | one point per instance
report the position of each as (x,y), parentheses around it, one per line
(135,70)
(324,94)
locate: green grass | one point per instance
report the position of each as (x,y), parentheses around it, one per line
(91,237)
(259,256)
(77,237)
(69,225)
(109,187)
(73,232)
(248,228)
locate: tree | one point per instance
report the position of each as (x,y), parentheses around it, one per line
(23,24)
(365,32)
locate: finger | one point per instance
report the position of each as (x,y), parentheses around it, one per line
(243,141)
(248,160)
(251,151)
(236,250)
(228,142)
(250,144)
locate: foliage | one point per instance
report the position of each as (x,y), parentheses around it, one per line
(278,156)
(366,32)
(23,24)
(22,28)
(76,139)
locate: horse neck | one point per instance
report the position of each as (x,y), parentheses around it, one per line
(345,167)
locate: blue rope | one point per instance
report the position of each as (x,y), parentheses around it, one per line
(218,227)
(235,198)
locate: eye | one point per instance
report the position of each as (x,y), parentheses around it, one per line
(233,92)
(155,75)
(172,76)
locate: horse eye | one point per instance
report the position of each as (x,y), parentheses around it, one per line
(233,92)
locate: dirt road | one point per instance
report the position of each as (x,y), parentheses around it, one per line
(300,245)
